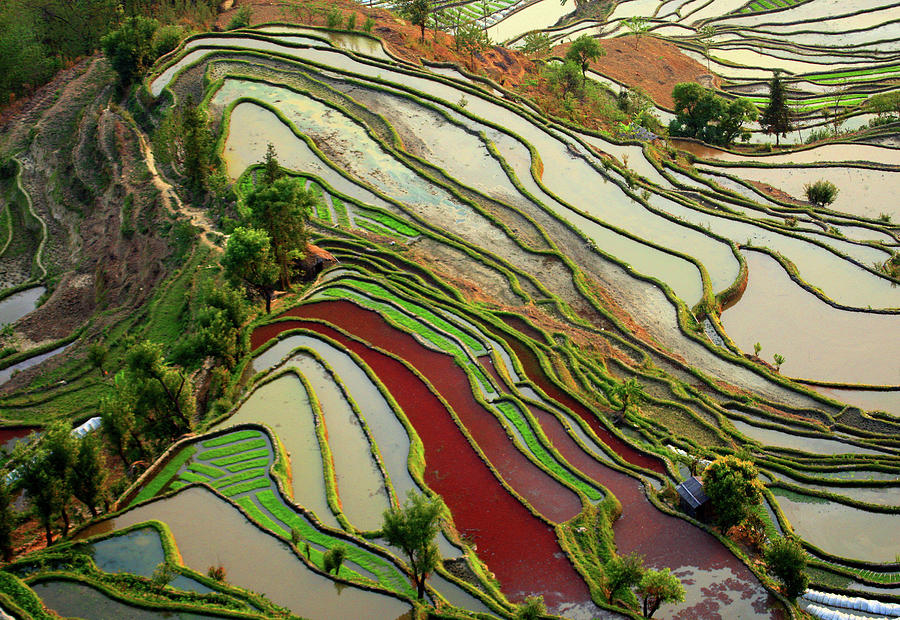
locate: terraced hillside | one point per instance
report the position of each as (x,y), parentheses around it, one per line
(500,276)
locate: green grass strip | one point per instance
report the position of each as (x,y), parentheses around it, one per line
(239,458)
(247,465)
(515,417)
(165,474)
(418,310)
(387,574)
(250,485)
(389,221)
(341,209)
(190,476)
(374,228)
(234,448)
(206,470)
(261,517)
(229,438)
(178,484)
(245,475)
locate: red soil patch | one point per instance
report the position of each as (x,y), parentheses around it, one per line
(649,63)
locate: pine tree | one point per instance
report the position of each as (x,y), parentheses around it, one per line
(777,116)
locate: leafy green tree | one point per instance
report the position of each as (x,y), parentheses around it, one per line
(248,261)
(163,575)
(628,392)
(536,43)
(160,394)
(217,327)
(89,474)
(637,26)
(25,62)
(701,114)
(412,528)
(583,50)
(470,40)
(333,558)
(281,209)
(8,521)
(707,33)
(622,572)
(821,193)
(195,139)
(732,486)
(59,458)
(531,609)
(70,28)
(97,355)
(44,491)
(786,559)
(884,104)
(657,587)
(417,12)
(241,18)
(565,76)
(119,424)
(129,48)
(167,39)
(271,168)
(776,118)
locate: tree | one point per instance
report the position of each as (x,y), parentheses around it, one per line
(732,486)
(7,521)
(163,574)
(280,209)
(333,558)
(44,491)
(59,460)
(884,104)
(637,26)
(536,44)
(657,587)
(623,572)
(130,48)
(564,76)
(629,392)
(271,168)
(776,118)
(195,140)
(119,424)
(217,327)
(97,355)
(821,193)
(583,50)
(417,12)
(707,33)
(470,39)
(532,609)
(248,261)
(413,528)
(786,559)
(700,113)
(88,476)
(159,394)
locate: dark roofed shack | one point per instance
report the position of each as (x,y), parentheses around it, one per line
(694,500)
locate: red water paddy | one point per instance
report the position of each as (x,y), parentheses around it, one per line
(535,373)
(519,548)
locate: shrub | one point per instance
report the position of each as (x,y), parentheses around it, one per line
(821,193)
(334,18)
(216,572)
(166,39)
(241,18)
(351,21)
(786,559)
(368,24)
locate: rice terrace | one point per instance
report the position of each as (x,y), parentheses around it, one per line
(427,309)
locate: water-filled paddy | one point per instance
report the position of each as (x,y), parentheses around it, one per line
(781,439)
(283,405)
(211,532)
(840,345)
(825,524)
(19,304)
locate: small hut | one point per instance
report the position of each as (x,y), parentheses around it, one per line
(315,259)
(694,500)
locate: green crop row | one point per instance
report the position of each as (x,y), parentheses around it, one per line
(341,210)
(164,475)
(239,477)
(206,470)
(389,221)
(512,413)
(250,485)
(235,448)
(247,465)
(240,457)
(221,440)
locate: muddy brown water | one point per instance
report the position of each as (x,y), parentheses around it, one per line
(211,532)
(817,340)
(283,405)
